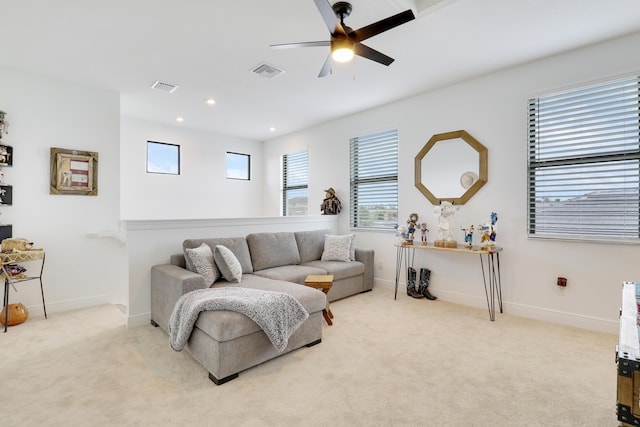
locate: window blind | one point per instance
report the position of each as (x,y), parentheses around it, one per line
(295,182)
(374,180)
(583,163)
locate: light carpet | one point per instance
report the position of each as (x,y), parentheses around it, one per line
(384,363)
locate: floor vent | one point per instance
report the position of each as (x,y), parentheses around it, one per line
(267,71)
(164,86)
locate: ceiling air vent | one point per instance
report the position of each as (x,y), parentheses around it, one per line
(267,71)
(164,86)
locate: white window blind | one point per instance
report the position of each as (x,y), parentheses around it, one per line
(295,183)
(583,165)
(374,180)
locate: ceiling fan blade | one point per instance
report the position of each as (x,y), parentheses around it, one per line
(381,26)
(301,44)
(328,15)
(372,54)
(326,67)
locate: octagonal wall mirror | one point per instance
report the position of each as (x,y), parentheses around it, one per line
(451,167)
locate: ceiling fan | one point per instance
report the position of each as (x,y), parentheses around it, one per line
(346,42)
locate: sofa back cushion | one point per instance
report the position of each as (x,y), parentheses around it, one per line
(272,250)
(310,244)
(237,245)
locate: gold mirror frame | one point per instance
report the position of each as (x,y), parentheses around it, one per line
(482,167)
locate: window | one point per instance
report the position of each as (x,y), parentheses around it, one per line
(238,166)
(163,158)
(583,163)
(295,183)
(374,180)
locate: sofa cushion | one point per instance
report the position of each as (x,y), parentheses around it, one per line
(228,325)
(237,245)
(272,250)
(339,269)
(310,244)
(290,273)
(228,263)
(201,261)
(337,248)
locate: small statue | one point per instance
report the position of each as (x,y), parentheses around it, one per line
(331,204)
(445,213)
(411,227)
(489,231)
(468,235)
(423,230)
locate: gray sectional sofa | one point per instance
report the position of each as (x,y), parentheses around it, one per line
(226,342)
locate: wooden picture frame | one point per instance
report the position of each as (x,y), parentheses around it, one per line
(73,172)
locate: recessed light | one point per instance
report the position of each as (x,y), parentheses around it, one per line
(272,129)
(179,119)
(210,101)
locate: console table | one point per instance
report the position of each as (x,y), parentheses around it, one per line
(490,275)
(9,280)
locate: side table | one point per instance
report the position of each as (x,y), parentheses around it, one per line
(9,280)
(323,282)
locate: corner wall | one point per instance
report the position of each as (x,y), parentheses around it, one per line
(80,270)
(493,109)
(201,190)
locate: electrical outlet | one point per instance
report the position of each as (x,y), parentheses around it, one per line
(380,265)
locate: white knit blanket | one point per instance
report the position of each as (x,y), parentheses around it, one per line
(277,313)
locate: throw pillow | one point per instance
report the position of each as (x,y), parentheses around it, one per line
(337,248)
(352,249)
(227,263)
(201,261)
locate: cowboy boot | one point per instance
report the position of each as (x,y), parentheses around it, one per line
(411,283)
(423,285)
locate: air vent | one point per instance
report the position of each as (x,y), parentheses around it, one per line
(164,86)
(267,71)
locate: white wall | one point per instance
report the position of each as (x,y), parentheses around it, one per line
(201,190)
(491,108)
(153,242)
(80,271)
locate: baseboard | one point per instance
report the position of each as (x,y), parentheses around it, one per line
(522,310)
(139,320)
(69,305)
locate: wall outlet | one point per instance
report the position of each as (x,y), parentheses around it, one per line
(380,265)
(562,281)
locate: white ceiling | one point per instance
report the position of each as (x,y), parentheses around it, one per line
(209,47)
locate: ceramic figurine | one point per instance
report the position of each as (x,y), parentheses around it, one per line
(489,231)
(423,230)
(468,235)
(411,227)
(331,204)
(445,213)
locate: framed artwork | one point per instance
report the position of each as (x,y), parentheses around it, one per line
(74,172)
(238,166)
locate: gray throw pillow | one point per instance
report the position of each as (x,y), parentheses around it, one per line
(227,263)
(200,260)
(337,248)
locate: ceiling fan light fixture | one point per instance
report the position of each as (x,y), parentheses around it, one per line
(342,50)
(343,54)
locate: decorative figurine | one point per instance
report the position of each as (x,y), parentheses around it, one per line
(423,231)
(489,232)
(4,125)
(411,227)
(401,234)
(468,235)
(445,213)
(331,204)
